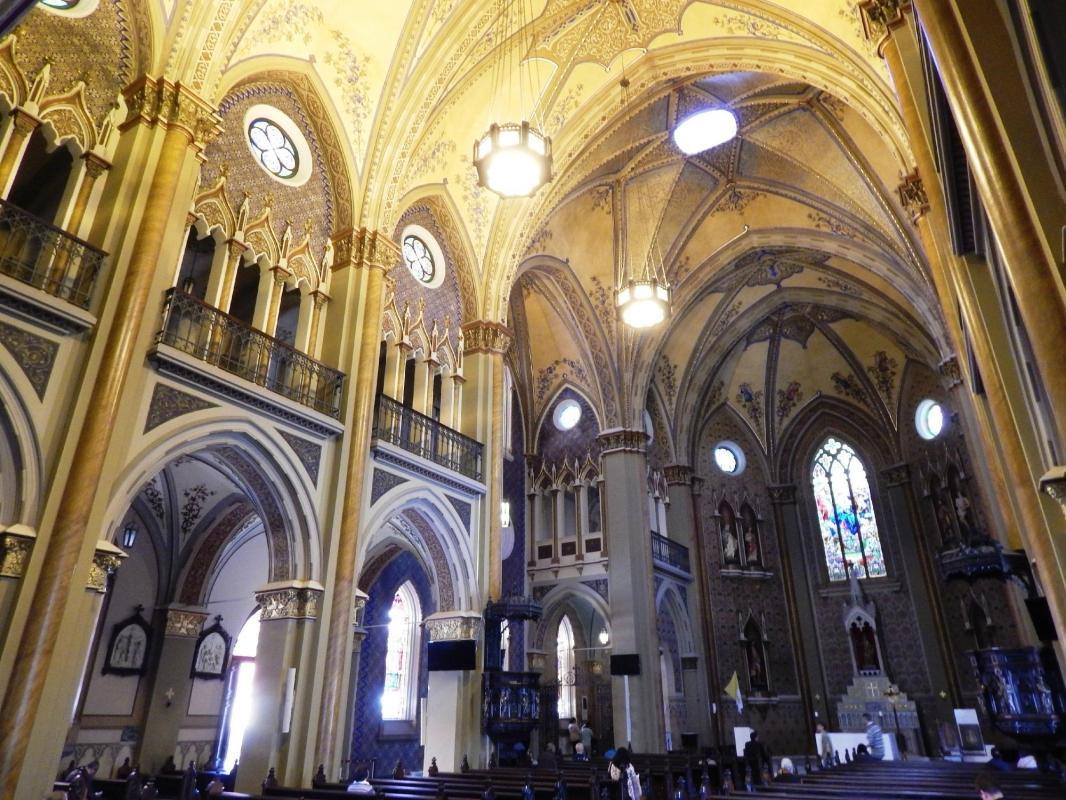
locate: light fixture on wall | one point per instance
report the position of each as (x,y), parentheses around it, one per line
(513,159)
(129,536)
(505,513)
(604,637)
(642,292)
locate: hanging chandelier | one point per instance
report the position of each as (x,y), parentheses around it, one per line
(513,159)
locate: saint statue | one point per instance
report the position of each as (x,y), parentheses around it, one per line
(730,546)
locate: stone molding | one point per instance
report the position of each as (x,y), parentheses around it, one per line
(106,559)
(912,196)
(365,248)
(950,372)
(486,337)
(298,600)
(184,622)
(880,17)
(782,493)
(453,626)
(897,474)
(678,475)
(158,101)
(17,544)
(622,440)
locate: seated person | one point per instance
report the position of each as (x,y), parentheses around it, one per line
(862,753)
(988,787)
(998,763)
(214,788)
(786,773)
(1027,761)
(579,752)
(361,782)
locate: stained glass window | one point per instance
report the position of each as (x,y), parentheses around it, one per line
(397,697)
(419,259)
(275,150)
(564,667)
(846,513)
(60,4)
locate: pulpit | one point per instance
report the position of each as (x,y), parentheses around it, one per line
(1022,691)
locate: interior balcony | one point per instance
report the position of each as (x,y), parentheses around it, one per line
(670,557)
(208,348)
(40,264)
(420,435)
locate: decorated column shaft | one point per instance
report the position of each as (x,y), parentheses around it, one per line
(453,698)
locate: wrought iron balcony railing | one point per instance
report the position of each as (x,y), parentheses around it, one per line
(416,433)
(46,257)
(213,336)
(669,552)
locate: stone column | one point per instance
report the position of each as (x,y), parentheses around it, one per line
(16,547)
(234,258)
(485,344)
(277,289)
(681,521)
(922,578)
(632,591)
(23,124)
(93,166)
(453,697)
(358,635)
(362,259)
(279,730)
(319,299)
(170,686)
(395,365)
(424,371)
(182,121)
(448,389)
(802,625)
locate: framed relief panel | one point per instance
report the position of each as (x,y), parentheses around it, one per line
(127,652)
(211,656)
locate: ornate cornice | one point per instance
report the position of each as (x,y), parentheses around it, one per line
(950,372)
(106,559)
(453,626)
(17,547)
(912,196)
(486,337)
(621,439)
(897,474)
(157,101)
(782,493)
(678,474)
(184,622)
(365,248)
(289,602)
(880,17)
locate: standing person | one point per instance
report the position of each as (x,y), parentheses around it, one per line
(824,743)
(622,770)
(586,737)
(756,756)
(574,734)
(874,738)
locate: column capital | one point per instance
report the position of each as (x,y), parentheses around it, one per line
(319,298)
(782,494)
(289,600)
(950,372)
(106,559)
(16,546)
(453,626)
(364,247)
(678,475)
(281,274)
(897,474)
(482,336)
(880,17)
(158,101)
(184,623)
(95,165)
(622,439)
(912,196)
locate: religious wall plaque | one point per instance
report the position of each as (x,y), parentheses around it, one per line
(211,655)
(127,652)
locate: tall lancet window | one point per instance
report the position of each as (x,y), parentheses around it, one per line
(564,666)
(398,700)
(846,512)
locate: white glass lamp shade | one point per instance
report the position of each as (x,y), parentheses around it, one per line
(704,130)
(644,303)
(513,160)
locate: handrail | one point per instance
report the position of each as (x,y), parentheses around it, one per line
(46,257)
(669,552)
(424,436)
(215,337)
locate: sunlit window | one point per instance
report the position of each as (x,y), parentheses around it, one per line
(273,147)
(60,4)
(419,259)
(729,458)
(846,513)
(239,711)
(401,669)
(929,419)
(564,665)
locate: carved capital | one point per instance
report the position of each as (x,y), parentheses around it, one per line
(880,17)
(897,474)
(106,559)
(95,166)
(535,660)
(359,607)
(184,623)
(157,101)
(678,474)
(950,372)
(365,248)
(486,337)
(782,493)
(236,248)
(17,547)
(291,601)
(912,196)
(25,123)
(622,440)
(453,626)
(280,276)
(319,298)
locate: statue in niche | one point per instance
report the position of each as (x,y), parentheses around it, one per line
(864,647)
(730,540)
(944,514)
(755,653)
(962,507)
(750,526)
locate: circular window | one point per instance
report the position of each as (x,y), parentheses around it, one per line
(422,255)
(729,458)
(278,145)
(930,419)
(419,259)
(567,414)
(71,8)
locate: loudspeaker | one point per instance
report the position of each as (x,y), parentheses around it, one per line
(452,656)
(625,664)
(1040,614)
